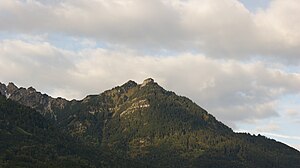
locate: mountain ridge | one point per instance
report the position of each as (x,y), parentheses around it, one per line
(150,125)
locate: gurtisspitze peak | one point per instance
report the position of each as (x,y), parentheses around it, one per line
(147,81)
(132,84)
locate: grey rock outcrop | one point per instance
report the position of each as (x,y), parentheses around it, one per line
(31,98)
(147,81)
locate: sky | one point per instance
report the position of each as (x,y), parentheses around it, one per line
(240,60)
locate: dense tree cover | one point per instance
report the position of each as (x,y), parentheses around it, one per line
(27,139)
(132,126)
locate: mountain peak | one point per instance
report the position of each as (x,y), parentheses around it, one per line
(11,87)
(129,84)
(31,89)
(147,81)
(11,84)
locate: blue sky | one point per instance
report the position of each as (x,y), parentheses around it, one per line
(237,59)
(253,5)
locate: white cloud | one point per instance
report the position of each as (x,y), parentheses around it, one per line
(293,112)
(219,28)
(36,63)
(270,127)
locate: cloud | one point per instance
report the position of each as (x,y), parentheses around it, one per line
(217,28)
(37,63)
(271,127)
(292,112)
(231,90)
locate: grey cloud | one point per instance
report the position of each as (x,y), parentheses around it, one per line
(223,29)
(38,64)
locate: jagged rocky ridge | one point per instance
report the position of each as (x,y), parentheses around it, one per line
(43,103)
(153,126)
(84,116)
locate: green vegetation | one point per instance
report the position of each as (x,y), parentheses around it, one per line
(130,126)
(27,139)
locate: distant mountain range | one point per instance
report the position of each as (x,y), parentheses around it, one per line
(133,125)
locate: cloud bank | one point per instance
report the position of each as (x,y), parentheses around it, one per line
(217,28)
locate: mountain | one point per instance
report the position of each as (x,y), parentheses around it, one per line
(140,125)
(27,139)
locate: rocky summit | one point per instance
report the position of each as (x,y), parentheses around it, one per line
(132,125)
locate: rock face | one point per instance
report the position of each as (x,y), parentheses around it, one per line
(147,81)
(148,124)
(31,98)
(11,88)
